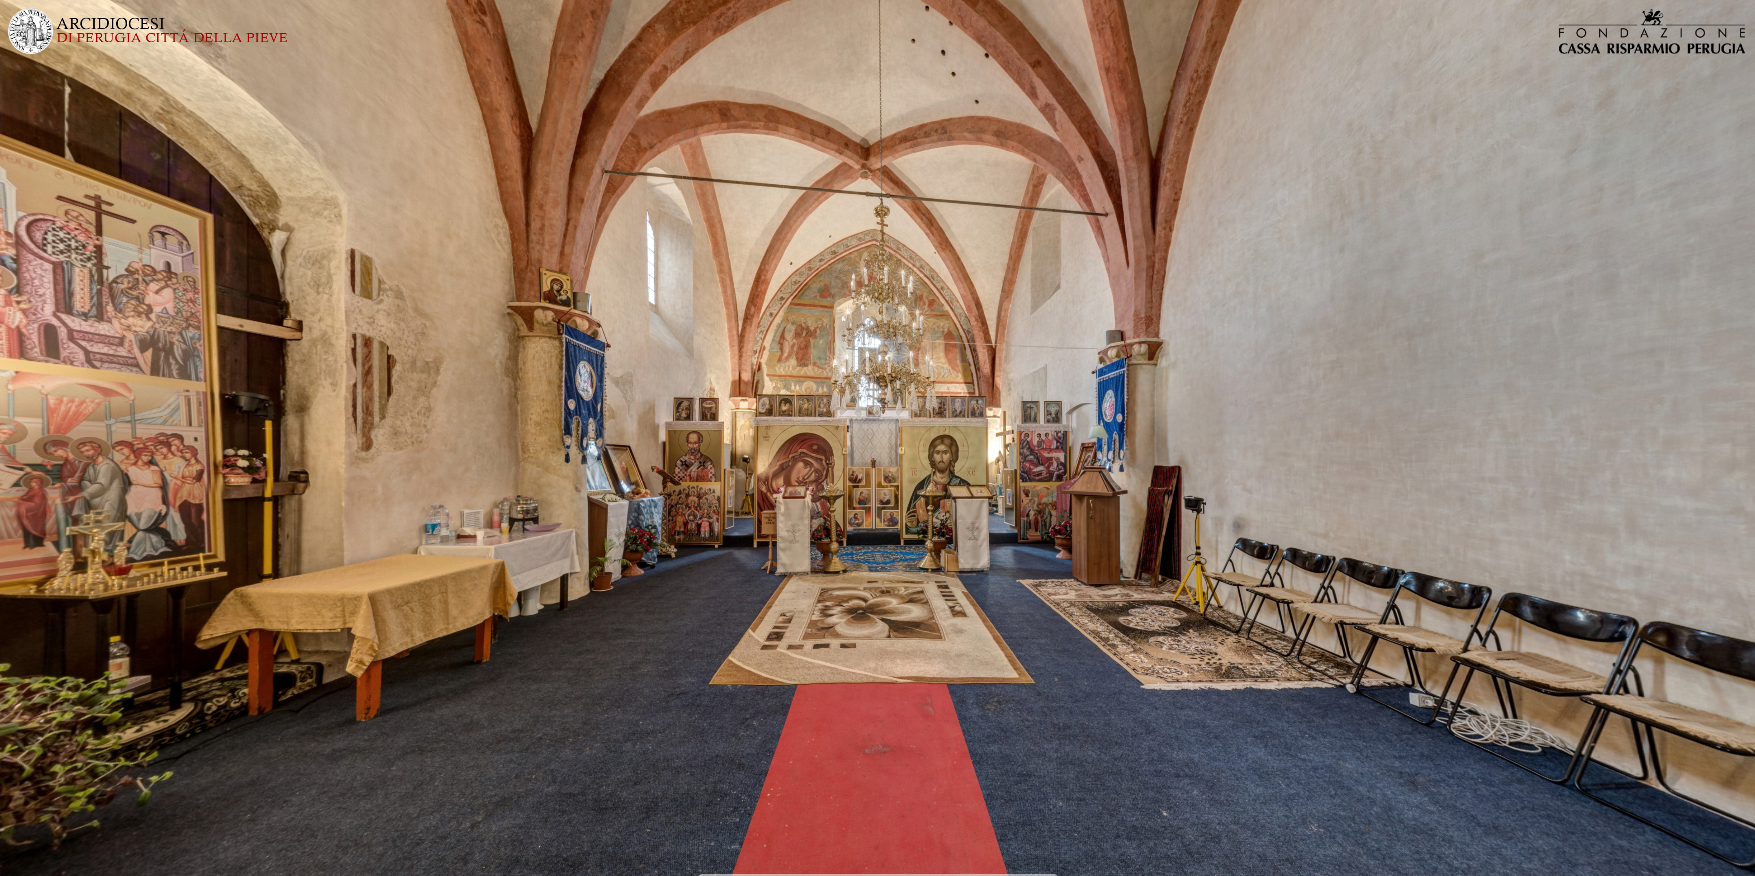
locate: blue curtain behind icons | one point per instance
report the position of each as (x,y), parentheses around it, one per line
(581,390)
(1112,412)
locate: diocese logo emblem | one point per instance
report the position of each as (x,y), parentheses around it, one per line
(1654,16)
(1109,406)
(31,31)
(585,380)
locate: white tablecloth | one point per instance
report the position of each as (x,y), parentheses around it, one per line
(532,560)
(792,526)
(971,515)
(616,530)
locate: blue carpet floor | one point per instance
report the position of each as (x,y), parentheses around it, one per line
(592,743)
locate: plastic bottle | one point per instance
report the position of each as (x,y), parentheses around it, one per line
(430,533)
(119,661)
(447,533)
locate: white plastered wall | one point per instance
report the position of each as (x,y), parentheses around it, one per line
(1445,299)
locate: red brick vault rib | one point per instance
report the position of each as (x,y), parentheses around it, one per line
(871,778)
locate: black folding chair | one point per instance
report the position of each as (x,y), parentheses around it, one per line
(1333,611)
(1270,574)
(1539,672)
(1321,565)
(1721,654)
(1419,640)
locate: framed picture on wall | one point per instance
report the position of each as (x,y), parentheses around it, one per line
(764,406)
(977,406)
(856,519)
(804,406)
(825,406)
(1032,413)
(625,471)
(709,410)
(1087,457)
(683,410)
(856,477)
(959,406)
(783,406)
(1051,413)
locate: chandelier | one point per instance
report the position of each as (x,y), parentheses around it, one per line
(880,326)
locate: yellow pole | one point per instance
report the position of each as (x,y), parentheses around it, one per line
(268,506)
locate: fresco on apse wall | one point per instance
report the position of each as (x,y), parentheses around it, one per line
(106,311)
(801,341)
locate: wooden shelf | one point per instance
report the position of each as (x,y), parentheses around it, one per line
(254,491)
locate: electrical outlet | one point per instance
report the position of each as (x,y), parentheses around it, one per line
(1422,700)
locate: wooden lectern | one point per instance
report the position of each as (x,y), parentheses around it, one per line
(1096,528)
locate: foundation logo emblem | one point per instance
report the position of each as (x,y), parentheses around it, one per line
(31,31)
(1654,17)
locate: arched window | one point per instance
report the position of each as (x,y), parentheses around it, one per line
(651,263)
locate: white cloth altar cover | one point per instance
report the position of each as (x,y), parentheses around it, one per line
(792,526)
(532,560)
(971,517)
(615,528)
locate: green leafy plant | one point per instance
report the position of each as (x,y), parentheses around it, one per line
(601,564)
(57,756)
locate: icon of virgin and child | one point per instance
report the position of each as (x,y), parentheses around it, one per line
(807,460)
(941,453)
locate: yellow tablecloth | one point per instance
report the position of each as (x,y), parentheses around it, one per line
(390,605)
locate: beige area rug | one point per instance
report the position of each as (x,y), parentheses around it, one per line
(866,627)
(1168,645)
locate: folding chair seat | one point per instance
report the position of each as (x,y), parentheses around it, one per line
(1539,672)
(1721,654)
(1270,573)
(1330,610)
(1283,597)
(1419,640)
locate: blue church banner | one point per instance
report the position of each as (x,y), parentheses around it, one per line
(581,391)
(1112,413)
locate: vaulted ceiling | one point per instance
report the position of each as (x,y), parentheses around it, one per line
(981,100)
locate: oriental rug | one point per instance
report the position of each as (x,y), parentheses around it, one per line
(208,701)
(871,627)
(884,558)
(1170,645)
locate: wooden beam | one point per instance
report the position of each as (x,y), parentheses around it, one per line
(250,326)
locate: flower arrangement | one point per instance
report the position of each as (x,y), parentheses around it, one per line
(640,539)
(941,526)
(826,529)
(240,466)
(1062,528)
(57,757)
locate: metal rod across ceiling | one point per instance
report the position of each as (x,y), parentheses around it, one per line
(740,182)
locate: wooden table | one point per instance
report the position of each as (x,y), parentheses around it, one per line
(56,605)
(390,605)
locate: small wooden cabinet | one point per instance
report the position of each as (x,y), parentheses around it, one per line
(1096,528)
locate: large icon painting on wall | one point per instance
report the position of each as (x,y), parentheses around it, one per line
(107,362)
(937,455)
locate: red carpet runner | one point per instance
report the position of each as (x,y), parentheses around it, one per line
(871,778)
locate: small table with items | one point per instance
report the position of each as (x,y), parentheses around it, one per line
(390,605)
(532,559)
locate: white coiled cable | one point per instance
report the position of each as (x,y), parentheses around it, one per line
(1514,733)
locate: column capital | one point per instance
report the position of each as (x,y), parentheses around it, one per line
(538,318)
(1139,351)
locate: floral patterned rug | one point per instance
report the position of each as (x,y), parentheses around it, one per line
(883,558)
(1169,645)
(862,627)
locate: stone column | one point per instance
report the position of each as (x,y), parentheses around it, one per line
(1142,437)
(543,472)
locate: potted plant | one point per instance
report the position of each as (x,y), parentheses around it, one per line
(640,539)
(1061,532)
(941,532)
(242,467)
(57,756)
(825,530)
(599,572)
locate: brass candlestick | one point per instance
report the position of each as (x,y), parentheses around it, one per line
(932,493)
(832,556)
